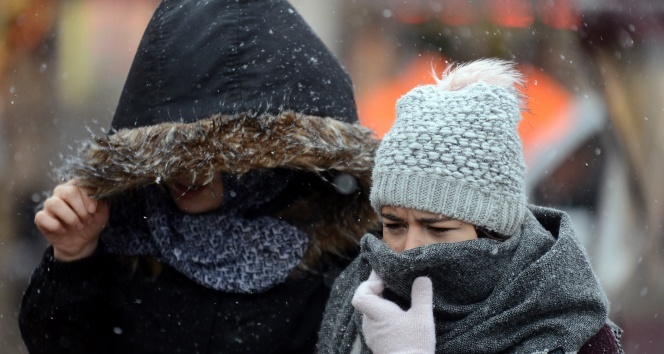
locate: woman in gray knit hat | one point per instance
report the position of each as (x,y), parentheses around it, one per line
(465,264)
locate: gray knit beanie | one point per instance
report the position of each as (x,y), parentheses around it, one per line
(454,149)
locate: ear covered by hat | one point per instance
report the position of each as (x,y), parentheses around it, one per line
(454,149)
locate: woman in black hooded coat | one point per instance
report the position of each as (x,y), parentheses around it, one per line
(217,211)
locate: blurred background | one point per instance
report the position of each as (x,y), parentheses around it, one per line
(593,134)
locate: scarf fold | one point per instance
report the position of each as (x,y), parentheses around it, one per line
(533,292)
(222,249)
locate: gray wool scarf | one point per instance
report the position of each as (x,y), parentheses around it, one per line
(222,250)
(534,292)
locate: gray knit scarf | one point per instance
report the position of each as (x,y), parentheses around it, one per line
(221,250)
(531,293)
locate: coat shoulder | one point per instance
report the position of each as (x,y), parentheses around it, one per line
(607,340)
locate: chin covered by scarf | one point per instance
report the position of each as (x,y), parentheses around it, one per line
(222,249)
(534,292)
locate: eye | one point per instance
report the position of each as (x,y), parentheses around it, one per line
(392,227)
(439,230)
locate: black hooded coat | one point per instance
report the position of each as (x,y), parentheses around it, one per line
(230,86)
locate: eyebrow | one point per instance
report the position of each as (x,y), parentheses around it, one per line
(395,218)
(391,217)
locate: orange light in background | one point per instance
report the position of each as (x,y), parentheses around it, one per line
(411,12)
(546,120)
(377,107)
(458,12)
(559,14)
(510,13)
(32,24)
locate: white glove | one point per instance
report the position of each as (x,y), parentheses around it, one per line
(389,329)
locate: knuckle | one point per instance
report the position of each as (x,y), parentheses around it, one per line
(39,217)
(65,191)
(59,189)
(48,204)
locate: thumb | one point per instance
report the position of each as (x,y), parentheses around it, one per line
(422,295)
(375,276)
(370,287)
(376,283)
(421,313)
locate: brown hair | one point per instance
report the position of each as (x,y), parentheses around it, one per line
(484,233)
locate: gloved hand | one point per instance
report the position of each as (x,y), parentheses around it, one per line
(389,329)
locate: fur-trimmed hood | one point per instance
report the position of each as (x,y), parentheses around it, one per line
(231,144)
(233,86)
(335,218)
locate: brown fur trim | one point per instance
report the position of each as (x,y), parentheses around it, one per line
(138,157)
(134,158)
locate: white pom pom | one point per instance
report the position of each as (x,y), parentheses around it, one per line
(491,71)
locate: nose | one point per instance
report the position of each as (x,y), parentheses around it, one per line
(414,238)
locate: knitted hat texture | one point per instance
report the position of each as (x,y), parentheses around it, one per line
(454,149)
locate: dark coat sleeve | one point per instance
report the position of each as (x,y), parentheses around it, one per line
(95,305)
(62,310)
